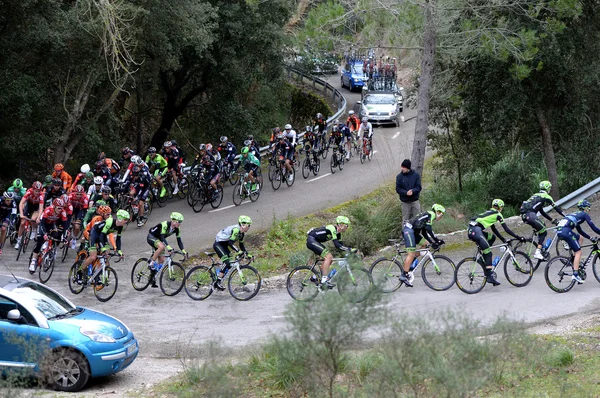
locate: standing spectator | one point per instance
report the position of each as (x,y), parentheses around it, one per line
(408,186)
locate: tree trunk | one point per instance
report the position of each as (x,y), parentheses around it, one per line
(549,158)
(425,83)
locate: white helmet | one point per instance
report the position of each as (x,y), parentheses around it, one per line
(350,113)
(85,168)
(288,127)
(98,180)
(135,159)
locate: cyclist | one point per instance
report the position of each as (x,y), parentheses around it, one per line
(414,231)
(201,152)
(52,223)
(210,170)
(348,137)
(157,239)
(8,210)
(138,186)
(317,236)
(54,191)
(159,166)
(17,189)
(225,240)
(99,235)
(88,181)
(171,154)
(61,174)
(31,206)
(93,211)
(213,152)
(112,166)
(252,166)
(367,129)
(95,189)
(80,202)
(353,122)
(126,155)
(251,144)
(230,151)
(535,204)
(565,231)
(274,133)
(135,161)
(286,151)
(291,136)
(104,172)
(321,122)
(102,213)
(483,239)
(80,177)
(309,139)
(337,137)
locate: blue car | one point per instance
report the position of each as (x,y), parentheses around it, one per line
(43,334)
(353,76)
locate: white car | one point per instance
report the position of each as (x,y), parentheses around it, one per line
(381,108)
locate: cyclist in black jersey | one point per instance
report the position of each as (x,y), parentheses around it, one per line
(157,238)
(317,236)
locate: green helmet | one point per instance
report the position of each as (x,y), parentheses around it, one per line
(89,174)
(100,202)
(175,216)
(497,203)
(123,215)
(48,179)
(438,208)
(584,205)
(18,184)
(245,220)
(342,220)
(545,186)
(245,150)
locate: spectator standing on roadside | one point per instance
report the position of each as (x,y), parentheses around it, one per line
(408,186)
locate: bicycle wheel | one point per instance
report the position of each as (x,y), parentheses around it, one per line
(306,167)
(162,200)
(199,282)
(216,201)
(369,152)
(171,281)
(198,199)
(291,173)
(333,162)
(234,178)
(303,283)
(238,194)
(470,276)
(595,266)
(254,195)
(65,251)
(272,170)
(439,274)
(316,165)
(518,269)
(47,266)
(141,276)
(563,249)
(106,286)
(190,194)
(245,284)
(276,181)
(341,163)
(558,274)
(24,243)
(361,155)
(355,284)
(184,186)
(324,152)
(385,273)
(76,278)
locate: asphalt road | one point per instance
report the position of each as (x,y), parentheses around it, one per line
(168,327)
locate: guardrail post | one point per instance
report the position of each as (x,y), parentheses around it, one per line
(314,83)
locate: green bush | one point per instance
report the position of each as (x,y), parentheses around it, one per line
(560,357)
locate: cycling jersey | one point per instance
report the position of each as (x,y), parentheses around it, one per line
(537,202)
(421,224)
(322,124)
(574,220)
(487,219)
(156,163)
(230,152)
(230,235)
(78,201)
(162,231)
(104,172)
(110,201)
(327,233)
(172,157)
(353,123)
(34,197)
(64,177)
(291,135)
(52,194)
(285,148)
(249,162)
(7,210)
(18,193)
(50,218)
(101,230)
(367,128)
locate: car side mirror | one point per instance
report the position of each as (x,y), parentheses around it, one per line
(14,315)
(359,102)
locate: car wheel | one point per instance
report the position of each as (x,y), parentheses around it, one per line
(351,86)
(66,370)
(342,82)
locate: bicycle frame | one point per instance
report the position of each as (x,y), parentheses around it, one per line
(532,246)
(508,252)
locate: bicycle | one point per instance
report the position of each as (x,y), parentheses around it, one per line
(311,163)
(272,168)
(203,193)
(25,237)
(243,280)
(171,274)
(365,150)
(530,246)
(46,258)
(337,158)
(437,271)
(282,173)
(353,282)
(559,269)
(99,274)
(229,174)
(470,272)
(246,189)
(130,203)
(156,189)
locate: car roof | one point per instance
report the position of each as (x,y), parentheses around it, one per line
(9,282)
(374,93)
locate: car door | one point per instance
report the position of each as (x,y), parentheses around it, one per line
(346,74)
(20,341)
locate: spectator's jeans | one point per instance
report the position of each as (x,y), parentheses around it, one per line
(410,210)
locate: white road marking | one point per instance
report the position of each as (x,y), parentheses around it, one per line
(375,151)
(396,135)
(227,207)
(315,179)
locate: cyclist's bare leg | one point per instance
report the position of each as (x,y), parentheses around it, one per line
(326,264)
(160,248)
(577,258)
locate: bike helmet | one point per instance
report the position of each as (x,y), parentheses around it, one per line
(335,127)
(173,143)
(58,202)
(250,137)
(497,203)
(584,205)
(101,202)
(280,136)
(276,130)
(247,143)
(79,189)
(151,150)
(308,129)
(56,181)
(244,220)
(288,126)
(65,198)
(438,208)
(18,184)
(125,151)
(123,215)
(209,147)
(106,189)
(244,150)
(545,186)
(98,180)
(8,195)
(48,179)
(223,138)
(59,167)
(365,119)
(342,220)
(350,112)
(103,210)
(168,144)
(202,147)
(101,156)
(135,159)
(175,216)
(319,115)
(89,174)
(37,186)
(100,164)
(85,168)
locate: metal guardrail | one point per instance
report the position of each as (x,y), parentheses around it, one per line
(582,193)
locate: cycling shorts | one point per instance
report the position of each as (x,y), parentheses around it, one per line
(411,239)
(571,237)
(289,154)
(96,240)
(153,241)
(29,209)
(250,167)
(348,134)
(79,213)
(316,247)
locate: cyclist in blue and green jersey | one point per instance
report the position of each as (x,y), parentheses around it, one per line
(416,232)
(157,238)
(317,236)
(158,165)
(535,204)
(225,240)
(565,231)
(484,239)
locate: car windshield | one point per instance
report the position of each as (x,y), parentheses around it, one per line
(49,303)
(380,99)
(357,69)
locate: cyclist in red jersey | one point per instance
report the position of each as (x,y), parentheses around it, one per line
(31,206)
(53,223)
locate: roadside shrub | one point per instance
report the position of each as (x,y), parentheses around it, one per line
(560,357)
